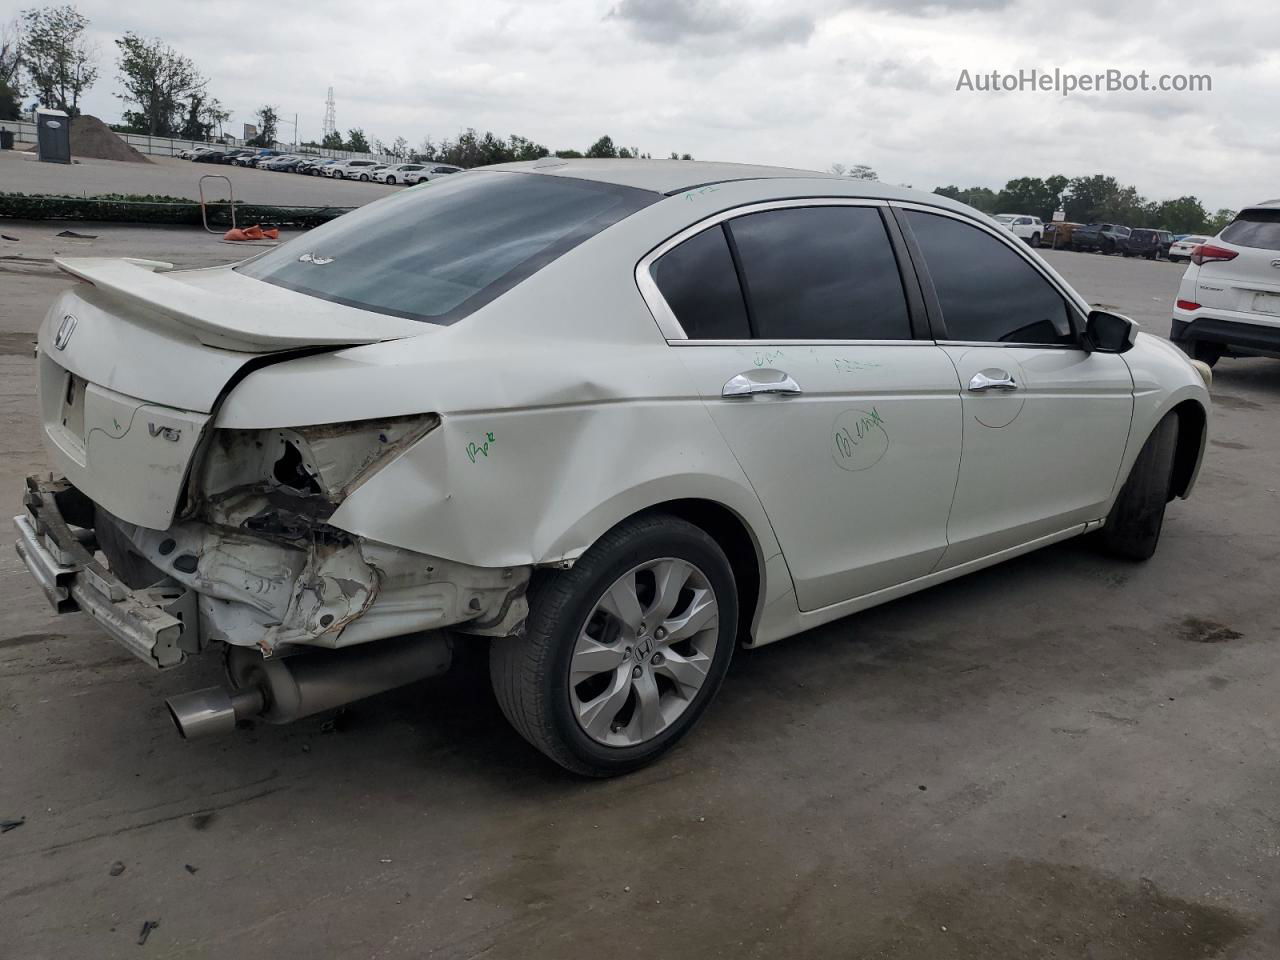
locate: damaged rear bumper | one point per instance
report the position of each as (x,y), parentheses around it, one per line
(154,624)
(215,583)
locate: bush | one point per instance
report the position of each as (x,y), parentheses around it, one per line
(150,208)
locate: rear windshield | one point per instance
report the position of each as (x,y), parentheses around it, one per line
(440,251)
(1255,228)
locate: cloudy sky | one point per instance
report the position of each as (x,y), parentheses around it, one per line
(804,83)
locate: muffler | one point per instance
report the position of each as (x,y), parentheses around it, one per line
(285,689)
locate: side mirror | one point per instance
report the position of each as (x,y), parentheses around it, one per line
(1110,332)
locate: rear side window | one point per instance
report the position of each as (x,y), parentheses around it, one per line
(700,285)
(820,273)
(439,254)
(1255,228)
(988,293)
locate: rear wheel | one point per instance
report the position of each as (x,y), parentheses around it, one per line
(1035,239)
(1133,526)
(622,653)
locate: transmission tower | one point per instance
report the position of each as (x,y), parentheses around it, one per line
(330,118)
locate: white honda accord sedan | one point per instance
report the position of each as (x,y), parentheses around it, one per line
(611,418)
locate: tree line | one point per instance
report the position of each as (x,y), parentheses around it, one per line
(473,149)
(1093,199)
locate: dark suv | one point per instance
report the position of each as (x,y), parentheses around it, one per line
(1151,244)
(1102,237)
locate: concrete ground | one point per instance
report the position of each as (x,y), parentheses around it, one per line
(1062,757)
(168,176)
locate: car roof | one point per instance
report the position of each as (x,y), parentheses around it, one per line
(676,176)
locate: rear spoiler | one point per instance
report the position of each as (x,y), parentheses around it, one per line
(223,308)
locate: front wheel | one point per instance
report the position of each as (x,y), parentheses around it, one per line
(390,181)
(1133,527)
(622,653)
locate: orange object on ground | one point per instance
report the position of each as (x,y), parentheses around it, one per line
(253,233)
(271,233)
(234,234)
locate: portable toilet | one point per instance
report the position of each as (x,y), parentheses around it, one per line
(53,136)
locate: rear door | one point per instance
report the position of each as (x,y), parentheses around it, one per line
(795,323)
(1045,423)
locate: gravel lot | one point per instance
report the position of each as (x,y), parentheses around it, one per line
(1061,757)
(172,177)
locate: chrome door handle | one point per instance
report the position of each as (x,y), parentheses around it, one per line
(985,380)
(764,381)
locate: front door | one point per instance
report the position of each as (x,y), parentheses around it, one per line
(1045,423)
(848,428)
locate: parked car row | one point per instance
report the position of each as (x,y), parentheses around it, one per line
(1109,238)
(316,166)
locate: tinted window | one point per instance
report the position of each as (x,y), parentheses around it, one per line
(439,254)
(987,292)
(820,273)
(1255,228)
(700,284)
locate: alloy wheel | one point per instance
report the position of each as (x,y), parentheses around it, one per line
(643,653)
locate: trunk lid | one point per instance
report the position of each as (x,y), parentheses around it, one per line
(133,363)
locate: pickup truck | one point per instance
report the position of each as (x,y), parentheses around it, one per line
(1102,237)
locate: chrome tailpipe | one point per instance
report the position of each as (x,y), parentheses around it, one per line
(286,689)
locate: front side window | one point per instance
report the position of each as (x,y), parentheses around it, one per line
(437,255)
(987,292)
(820,273)
(1254,228)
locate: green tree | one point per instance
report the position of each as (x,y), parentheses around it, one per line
(602,148)
(332,141)
(569,154)
(163,84)
(1031,195)
(524,149)
(1183,215)
(1089,198)
(980,198)
(10,67)
(356,141)
(1218,222)
(57,58)
(268,120)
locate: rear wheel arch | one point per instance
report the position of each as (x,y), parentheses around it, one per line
(733,535)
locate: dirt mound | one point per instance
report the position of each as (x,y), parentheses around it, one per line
(90,137)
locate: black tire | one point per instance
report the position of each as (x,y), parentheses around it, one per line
(1035,239)
(1133,526)
(364,178)
(530,672)
(1207,353)
(390,181)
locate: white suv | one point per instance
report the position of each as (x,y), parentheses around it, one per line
(1029,228)
(1229,300)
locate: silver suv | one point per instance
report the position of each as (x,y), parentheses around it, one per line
(1229,300)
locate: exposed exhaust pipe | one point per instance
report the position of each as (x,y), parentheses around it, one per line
(285,689)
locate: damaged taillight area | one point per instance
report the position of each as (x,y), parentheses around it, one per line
(253,543)
(283,481)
